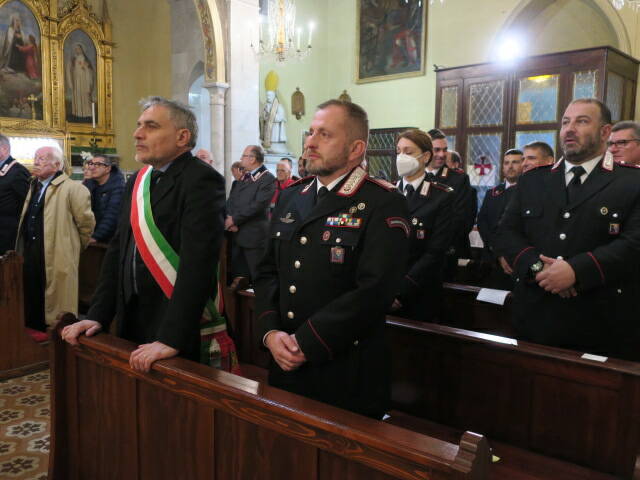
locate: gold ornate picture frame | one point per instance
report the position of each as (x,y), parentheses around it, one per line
(390,40)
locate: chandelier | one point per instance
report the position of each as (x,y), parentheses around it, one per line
(619,4)
(278,36)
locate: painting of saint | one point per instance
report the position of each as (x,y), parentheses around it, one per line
(80,77)
(391,39)
(20,62)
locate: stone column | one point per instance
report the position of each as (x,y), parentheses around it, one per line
(217,93)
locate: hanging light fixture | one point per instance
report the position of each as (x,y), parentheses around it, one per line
(619,4)
(278,36)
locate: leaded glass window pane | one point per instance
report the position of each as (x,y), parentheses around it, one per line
(546,136)
(585,84)
(486,103)
(449,107)
(451,142)
(383,166)
(538,99)
(615,89)
(483,162)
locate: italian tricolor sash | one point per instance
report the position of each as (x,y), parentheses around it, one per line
(162,262)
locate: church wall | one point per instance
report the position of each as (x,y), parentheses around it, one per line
(141,65)
(459,33)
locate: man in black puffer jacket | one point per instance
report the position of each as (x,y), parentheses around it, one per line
(106,185)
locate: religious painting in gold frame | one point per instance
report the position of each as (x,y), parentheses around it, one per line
(84,48)
(390,39)
(24,62)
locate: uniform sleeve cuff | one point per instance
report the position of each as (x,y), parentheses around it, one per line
(268,321)
(589,272)
(314,347)
(524,259)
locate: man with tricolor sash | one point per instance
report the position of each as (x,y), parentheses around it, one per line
(158,279)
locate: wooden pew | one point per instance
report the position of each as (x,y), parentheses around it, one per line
(186,421)
(548,413)
(541,399)
(462,310)
(89,273)
(19,353)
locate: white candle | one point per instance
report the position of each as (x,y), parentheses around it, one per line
(299,35)
(93,114)
(310,32)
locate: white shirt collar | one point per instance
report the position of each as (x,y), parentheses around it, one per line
(319,184)
(508,184)
(588,166)
(415,184)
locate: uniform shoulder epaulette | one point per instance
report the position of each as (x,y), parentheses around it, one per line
(302,181)
(382,183)
(442,186)
(539,167)
(620,163)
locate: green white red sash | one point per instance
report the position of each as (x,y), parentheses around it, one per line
(162,262)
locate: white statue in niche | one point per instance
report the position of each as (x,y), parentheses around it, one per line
(273,125)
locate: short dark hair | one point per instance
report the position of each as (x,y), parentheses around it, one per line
(237,166)
(544,147)
(605,113)
(107,161)
(358,119)
(420,138)
(513,151)
(436,134)
(304,160)
(455,157)
(627,125)
(288,160)
(257,152)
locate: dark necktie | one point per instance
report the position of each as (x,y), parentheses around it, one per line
(409,191)
(36,192)
(155,178)
(575,184)
(321,194)
(430,177)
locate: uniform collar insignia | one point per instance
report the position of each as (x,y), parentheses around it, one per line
(557,164)
(424,191)
(258,175)
(607,162)
(6,167)
(353,182)
(306,189)
(287,218)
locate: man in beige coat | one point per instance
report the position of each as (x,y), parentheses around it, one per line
(55,226)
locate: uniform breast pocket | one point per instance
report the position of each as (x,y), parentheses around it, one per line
(280,234)
(609,220)
(340,247)
(532,215)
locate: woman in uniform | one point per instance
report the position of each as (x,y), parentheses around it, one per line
(430,216)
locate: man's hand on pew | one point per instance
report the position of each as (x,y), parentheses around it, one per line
(557,277)
(70,333)
(285,350)
(143,357)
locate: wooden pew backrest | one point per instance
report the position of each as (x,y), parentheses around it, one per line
(539,398)
(185,420)
(19,353)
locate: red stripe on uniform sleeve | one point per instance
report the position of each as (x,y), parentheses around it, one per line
(265,313)
(515,260)
(595,260)
(320,339)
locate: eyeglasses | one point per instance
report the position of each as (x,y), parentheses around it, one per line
(247,156)
(622,143)
(95,164)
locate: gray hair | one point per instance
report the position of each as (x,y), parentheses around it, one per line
(107,161)
(5,141)
(180,114)
(627,125)
(56,154)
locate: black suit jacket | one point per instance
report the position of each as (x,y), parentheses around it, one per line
(14,185)
(187,206)
(431,232)
(493,207)
(599,236)
(248,204)
(331,285)
(464,208)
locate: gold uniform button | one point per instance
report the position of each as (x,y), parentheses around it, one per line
(290,315)
(563,236)
(277,234)
(567,215)
(303,240)
(355,344)
(297,264)
(338,240)
(292,289)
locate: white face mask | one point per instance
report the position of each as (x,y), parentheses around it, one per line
(406,164)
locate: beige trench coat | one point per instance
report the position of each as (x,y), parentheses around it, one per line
(68,225)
